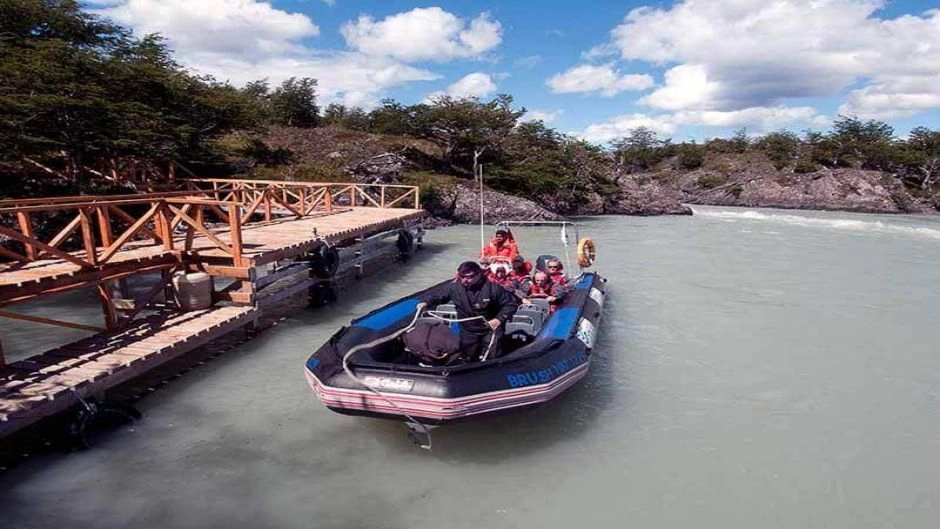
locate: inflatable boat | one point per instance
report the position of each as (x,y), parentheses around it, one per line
(367,369)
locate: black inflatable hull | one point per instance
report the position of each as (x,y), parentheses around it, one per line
(558,357)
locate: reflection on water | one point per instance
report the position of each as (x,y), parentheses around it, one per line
(753,370)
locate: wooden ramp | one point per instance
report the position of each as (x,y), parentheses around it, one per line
(53,381)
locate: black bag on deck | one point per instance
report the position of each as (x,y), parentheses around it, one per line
(433,342)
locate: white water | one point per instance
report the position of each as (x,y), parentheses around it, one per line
(826,220)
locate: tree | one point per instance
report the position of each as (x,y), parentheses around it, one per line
(922,157)
(78,89)
(461,126)
(294,103)
(868,144)
(392,117)
(640,150)
(782,147)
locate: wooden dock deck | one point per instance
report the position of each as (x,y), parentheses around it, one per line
(46,384)
(210,227)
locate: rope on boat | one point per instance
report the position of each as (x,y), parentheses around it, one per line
(414,424)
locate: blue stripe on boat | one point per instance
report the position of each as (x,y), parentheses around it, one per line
(585,282)
(561,324)
(312,363)
(389,315)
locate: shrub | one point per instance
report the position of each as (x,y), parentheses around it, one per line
(711,181)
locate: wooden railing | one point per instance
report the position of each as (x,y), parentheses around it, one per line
(294,193)
(105,226)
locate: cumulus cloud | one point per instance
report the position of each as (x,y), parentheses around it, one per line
(758,119)
(476,84)
(244,40)
(603,79)
(246,28)
(620,126)
(546,116)
(740,54)
(423,34)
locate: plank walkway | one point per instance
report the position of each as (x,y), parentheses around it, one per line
(53,381)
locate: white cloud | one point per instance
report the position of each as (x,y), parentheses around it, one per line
(477,84)
(546,116)
(619,126)
(739,54)
(244,40)
(603,79)
(247,28)
(757,119)
(900,97)
(423,34)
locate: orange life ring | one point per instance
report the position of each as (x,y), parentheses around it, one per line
(586,252)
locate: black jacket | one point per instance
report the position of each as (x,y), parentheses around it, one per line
(485,299)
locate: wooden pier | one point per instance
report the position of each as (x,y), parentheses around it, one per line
(237,231)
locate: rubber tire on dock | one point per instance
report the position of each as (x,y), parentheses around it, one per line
(94,418)
(405,242)
(324,261)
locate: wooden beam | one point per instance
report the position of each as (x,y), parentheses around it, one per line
(10,294)
(235,227)
(238,272)
(130,232)
(49,321)
(88,237)
(13,234)
(63,234)
(110,316)
(141,302)
(26,226)
(203,230)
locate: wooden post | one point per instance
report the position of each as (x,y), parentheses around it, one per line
(417,198)
(383,197)
(235,227)
(107,305)
(327,199)
(88,237)
(267,205)
(26,226)
(104,226)
(353,191)
(163,226)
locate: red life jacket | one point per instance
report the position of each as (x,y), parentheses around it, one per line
(538,291)
(509,248)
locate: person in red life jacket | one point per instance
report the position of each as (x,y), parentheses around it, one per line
(521,272)
(501,274)
(556,271)
(503,244)
(544,288)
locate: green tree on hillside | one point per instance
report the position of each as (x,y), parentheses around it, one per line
(294,103)
(461,126)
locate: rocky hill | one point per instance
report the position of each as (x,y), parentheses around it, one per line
(748,179)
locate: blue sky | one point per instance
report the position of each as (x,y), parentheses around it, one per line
(688,69)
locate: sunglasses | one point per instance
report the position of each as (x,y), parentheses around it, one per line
(553,267)
(468,276)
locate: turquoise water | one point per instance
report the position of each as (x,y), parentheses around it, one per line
(755,368)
